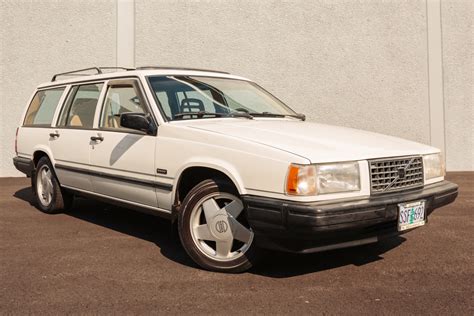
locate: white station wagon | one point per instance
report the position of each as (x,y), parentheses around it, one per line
(234,167)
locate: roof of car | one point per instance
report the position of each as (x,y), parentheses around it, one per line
(103,73)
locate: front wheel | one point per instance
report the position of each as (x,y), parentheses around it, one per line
(213,228)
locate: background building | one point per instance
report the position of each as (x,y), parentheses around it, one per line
(398,67)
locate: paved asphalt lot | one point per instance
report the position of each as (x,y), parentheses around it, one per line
(100,259)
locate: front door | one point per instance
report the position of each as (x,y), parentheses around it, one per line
(123,160)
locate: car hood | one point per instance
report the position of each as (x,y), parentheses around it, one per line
(315,142)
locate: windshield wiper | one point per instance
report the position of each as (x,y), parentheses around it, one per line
(240,114)
(269,114)
(201,114)
(250,115)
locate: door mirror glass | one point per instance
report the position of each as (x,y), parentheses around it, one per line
(137,121)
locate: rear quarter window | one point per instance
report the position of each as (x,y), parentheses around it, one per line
(42,107)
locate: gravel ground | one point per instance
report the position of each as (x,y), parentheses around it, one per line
(100,259)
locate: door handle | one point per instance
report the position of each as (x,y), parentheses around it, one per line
(97,138)
(54,135)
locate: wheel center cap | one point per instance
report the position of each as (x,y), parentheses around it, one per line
(220,227)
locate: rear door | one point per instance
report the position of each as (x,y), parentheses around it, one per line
(123,160)
(70,140)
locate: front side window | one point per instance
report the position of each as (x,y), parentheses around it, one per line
(120,98)
(43,106)
(79,110)
(191,97)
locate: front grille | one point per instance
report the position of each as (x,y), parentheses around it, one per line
(395,174)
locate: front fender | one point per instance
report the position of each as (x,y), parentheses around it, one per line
(218,164)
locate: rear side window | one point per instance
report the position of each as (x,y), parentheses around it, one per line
(80,106)
(43,106)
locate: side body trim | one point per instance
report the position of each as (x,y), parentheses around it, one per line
(121,202)
(158,185)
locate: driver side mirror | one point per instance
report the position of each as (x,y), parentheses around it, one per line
(138,121)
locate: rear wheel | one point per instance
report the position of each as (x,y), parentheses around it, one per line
(213,228)
(50,198)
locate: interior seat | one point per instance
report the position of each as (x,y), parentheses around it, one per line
(191,105)
(84,112)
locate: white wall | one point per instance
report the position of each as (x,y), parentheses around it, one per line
(362,64)
(458,56)
(40,38)
(339,62)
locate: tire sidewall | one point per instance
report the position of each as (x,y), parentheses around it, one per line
(200,191)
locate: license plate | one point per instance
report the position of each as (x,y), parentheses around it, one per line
(411,215)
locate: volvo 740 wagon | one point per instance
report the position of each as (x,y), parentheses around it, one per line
(230,164)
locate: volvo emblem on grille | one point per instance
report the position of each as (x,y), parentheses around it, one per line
(221,227)
(402,173)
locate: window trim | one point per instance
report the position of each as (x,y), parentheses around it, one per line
(59,105)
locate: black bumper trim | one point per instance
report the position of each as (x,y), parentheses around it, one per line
(24,165)
(316,224)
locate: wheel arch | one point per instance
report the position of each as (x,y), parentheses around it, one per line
(39,152)
(37,155)
(192,174)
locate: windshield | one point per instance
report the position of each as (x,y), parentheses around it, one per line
(189,97)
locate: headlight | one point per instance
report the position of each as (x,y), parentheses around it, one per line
(433,166)
(323,178)
(338,177)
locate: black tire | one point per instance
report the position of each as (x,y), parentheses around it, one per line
(246,260)
(60,200)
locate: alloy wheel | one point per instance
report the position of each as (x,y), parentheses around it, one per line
(218,229)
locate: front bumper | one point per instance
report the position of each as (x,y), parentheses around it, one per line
(316,226)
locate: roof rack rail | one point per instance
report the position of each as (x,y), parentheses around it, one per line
(78,72)
(179,68)
(99,70)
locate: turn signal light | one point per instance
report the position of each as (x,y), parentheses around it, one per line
(301,180)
